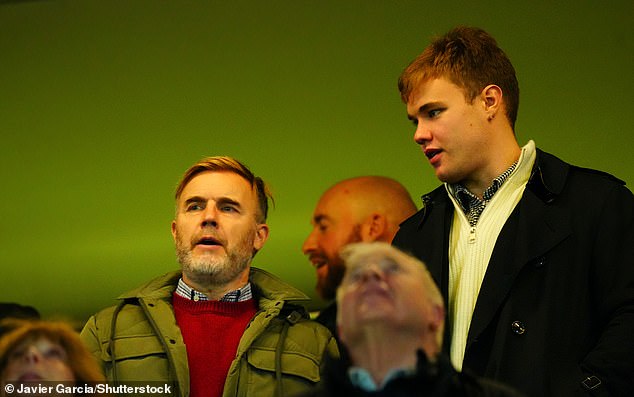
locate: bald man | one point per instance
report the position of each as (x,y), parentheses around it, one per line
(360,209)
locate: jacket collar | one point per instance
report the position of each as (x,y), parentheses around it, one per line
(547,181)
(271,287)
(435,197)
(266,284)
(548,176)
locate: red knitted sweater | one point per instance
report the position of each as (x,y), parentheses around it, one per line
(211,331)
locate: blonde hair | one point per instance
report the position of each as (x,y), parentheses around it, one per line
(229,164)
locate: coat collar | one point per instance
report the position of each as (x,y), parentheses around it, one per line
(548,176)
(547,181)
(266,284)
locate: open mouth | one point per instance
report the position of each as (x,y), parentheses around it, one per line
(318,261)
(29,377)
(318,265)
(208,241)
(430,153)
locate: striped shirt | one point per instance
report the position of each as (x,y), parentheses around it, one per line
(473,205)
(240,295)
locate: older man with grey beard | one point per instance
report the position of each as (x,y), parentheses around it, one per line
(218,327)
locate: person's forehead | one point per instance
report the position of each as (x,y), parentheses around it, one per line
(431,88)
(215,182)
(331,208)
(332,196)
(373,258)
(37,341)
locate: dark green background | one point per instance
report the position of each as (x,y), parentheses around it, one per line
(104,104)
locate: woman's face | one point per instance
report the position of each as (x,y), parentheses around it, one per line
(38,360)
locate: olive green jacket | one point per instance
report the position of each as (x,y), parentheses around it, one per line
(280,353)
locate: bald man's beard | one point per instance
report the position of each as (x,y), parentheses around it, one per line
(213,268)
(327,286)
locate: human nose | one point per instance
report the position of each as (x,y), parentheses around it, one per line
(372,272)
(422,135)
(310,244)
(210,216)
(32,355)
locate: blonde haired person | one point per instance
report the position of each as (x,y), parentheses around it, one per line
(216,327)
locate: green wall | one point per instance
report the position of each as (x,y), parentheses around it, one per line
(103,105)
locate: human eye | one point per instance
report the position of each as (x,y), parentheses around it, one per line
(193,207)
(433,113)
(55,353)
(353,276)
(322,227)
(17,353)
(228,208)
(391,267)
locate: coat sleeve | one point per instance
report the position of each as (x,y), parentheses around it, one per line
(613,266)
(90,338)
(331,351)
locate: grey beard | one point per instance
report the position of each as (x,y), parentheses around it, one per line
(212,270)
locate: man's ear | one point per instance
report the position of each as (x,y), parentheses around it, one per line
(437,317)
(174,229)
(491,97)
(338,331)
(261,235)
(373,228)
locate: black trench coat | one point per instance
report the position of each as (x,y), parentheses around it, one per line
(555,313)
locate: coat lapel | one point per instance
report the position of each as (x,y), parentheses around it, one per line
(432,246)
(533,228)
(433,241)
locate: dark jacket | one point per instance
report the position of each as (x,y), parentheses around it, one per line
(555,313)
(437,379)
(328,318)
(280,352)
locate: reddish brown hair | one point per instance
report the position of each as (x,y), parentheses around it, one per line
(80,361)
(471,59)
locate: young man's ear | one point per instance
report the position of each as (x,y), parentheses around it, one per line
(373,228)
(491,97)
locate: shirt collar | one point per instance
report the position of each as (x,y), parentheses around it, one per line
(468,200)
(361,378)
(240,295)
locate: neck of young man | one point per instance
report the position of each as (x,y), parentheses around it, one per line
(214,290)
(499,160)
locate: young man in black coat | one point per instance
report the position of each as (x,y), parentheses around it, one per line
(535,256)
